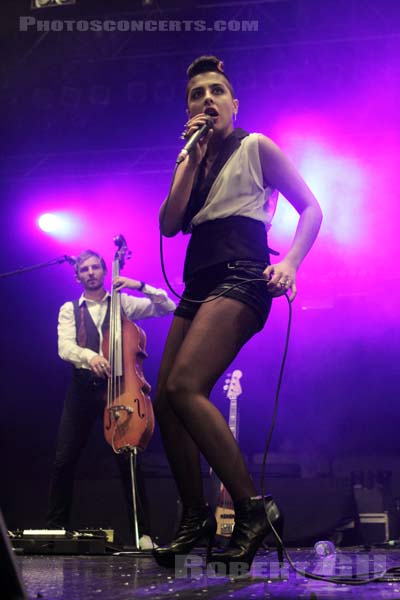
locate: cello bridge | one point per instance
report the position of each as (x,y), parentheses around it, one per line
(119,407)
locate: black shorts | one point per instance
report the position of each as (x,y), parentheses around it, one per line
(220,278)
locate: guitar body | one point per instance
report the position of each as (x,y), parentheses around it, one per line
(224,512)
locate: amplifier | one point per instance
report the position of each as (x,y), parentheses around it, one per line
(54,541)
(374,527)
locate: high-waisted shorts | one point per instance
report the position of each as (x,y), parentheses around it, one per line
(220,278)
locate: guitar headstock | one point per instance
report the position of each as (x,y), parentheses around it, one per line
(232,386)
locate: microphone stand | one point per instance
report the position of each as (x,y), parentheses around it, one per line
(49,263)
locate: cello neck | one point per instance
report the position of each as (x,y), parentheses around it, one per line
(115,338)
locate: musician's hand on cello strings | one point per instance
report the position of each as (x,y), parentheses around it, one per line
(120,283)
(100,366)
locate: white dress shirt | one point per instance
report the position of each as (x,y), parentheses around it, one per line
(156,304)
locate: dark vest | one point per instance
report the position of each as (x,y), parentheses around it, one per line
(87,335)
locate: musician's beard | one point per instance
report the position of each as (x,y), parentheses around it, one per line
(93,284)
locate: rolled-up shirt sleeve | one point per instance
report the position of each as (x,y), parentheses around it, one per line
(156,304)
(68,349)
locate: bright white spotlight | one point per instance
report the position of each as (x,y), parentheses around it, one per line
(62,225)
(50,223)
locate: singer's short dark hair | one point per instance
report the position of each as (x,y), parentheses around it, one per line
(207,64)
(84,256)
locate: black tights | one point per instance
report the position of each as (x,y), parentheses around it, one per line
(196,354)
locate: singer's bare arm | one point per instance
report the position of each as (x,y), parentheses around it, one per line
(173,209)
(280,174)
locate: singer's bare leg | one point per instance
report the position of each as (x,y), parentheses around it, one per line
(182,453)
(196,355)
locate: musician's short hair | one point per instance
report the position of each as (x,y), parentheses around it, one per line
(84,256)
(207,64)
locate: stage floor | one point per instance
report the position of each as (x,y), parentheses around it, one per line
(121,577)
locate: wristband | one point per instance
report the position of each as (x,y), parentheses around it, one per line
(141,286)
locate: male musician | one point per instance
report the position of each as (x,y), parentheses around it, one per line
(81,325)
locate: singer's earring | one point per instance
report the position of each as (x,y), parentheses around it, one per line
(234,116)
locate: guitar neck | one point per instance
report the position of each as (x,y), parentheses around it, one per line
(225,514)
(233,417)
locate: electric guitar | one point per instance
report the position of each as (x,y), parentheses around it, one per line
(224,512)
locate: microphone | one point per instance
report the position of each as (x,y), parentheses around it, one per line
(197,135)
(70,259)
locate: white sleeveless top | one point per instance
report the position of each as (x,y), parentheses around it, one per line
(238,189)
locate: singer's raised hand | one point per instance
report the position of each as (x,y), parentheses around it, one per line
(171,219)
(195,157)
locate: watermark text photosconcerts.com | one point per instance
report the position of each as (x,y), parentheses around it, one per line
(147,25)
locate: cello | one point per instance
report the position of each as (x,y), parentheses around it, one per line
(128,413)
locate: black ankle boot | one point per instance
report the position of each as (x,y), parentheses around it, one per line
(197,524)
(251,527)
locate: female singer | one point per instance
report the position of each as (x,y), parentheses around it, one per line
(224,194)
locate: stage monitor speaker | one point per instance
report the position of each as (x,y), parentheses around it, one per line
(11,585)
(373,514)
